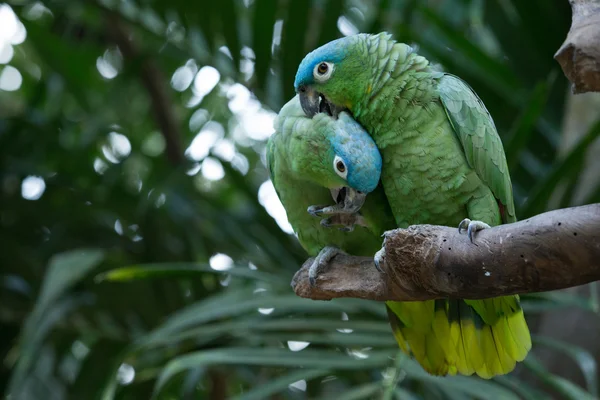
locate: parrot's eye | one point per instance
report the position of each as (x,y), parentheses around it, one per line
(323,71)
(340,167)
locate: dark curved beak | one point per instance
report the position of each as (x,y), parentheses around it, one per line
(354,200)
(309,100)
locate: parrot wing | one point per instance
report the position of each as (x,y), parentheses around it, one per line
(477,133)
(271,160)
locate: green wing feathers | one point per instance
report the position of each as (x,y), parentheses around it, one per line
(486,337)
(477,133)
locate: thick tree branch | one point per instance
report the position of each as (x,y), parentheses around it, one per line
(579,55)
(554,250)
(154,82)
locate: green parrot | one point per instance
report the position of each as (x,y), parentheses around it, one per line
(321,160)
(444,164)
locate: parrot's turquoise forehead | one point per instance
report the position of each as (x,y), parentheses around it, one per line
(360,153)
(333,52)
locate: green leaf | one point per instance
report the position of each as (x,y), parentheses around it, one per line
(281,383)
(270,357)
(292,44)
(583,358)
(74,62)
(357,333)
(96,368)
(495,70)
(37,329)
(180,270)
(229,21)
(567,168)
(480,389)
(566,388)
(329,338)
(263,22)
(519,387)
(523,129)
(366,391)
(561,298)
(329,30)
(235,304)
(64,270)
(404,394)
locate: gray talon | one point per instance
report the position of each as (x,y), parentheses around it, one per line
(470,233)
(463,224)
(326,222)
(378,259)
(345,222)
(321,261)
(315,211)
(471,227)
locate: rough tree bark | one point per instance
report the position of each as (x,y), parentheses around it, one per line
(554,250)
(579,55)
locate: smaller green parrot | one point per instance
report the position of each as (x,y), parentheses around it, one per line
(314,162)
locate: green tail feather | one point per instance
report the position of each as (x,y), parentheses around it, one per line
(486,337)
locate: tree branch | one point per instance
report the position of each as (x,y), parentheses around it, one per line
(579,55)
(554,250)
(154,82)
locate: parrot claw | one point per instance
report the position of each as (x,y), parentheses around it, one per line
(378,258)
(321,261)
(471,227)
(326,222)
(348,202)
(347,222)
(316,211)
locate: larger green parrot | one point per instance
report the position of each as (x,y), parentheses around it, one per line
(443,163)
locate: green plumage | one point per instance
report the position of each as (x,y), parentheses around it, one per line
(298,155)
(443,161)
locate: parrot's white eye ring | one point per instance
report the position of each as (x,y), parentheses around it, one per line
(323,71)
(340,167)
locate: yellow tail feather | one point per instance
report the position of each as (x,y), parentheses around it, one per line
(486,337)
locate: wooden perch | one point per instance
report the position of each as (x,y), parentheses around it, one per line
(554,250)
(579,55)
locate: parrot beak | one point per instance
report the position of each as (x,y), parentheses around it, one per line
(309,100)
(313,102)
(354,200)
(348,199)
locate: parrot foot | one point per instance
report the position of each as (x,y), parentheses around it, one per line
(348,201)
(378,259)
(380,255)
(347,222)
(471,227)
(317,211)
(321,261)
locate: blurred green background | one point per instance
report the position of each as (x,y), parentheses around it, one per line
(132,139)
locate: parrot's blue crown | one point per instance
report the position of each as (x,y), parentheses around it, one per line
(360,154)
(333,52)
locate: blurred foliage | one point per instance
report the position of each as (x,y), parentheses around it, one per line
(132,271)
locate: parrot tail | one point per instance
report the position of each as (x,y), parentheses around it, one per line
(486,337)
